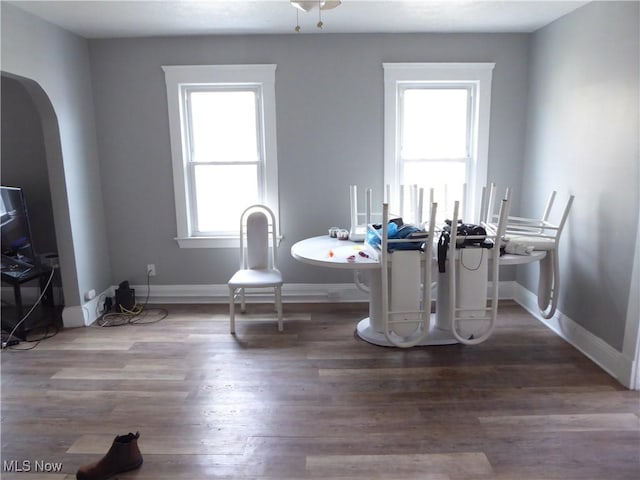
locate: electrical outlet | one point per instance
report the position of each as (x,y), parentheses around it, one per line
(151,270)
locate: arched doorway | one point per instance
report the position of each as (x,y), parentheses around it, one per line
(30,148)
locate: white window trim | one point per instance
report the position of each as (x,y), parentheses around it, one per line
(179,75)
(440,73)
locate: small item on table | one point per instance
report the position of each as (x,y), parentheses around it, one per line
(343,234)
(333,232)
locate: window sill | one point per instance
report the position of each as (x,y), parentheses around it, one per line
(211,242)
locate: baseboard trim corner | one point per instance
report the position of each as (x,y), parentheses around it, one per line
(597,350)
(85,314)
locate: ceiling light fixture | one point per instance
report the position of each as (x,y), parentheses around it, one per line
(308,5)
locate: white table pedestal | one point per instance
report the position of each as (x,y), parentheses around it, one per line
(370,329)
(329,252)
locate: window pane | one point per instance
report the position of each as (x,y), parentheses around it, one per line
(223,126)
(434,123)
(222,193)
(446,178)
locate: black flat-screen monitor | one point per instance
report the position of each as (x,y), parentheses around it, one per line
(17,248)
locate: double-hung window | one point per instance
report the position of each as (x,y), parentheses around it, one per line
(437,130)
(223,140)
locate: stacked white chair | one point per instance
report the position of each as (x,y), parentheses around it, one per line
(536,234)
(359,219)
(471,312)
(406,286)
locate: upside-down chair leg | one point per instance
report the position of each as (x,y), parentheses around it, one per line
(548,285)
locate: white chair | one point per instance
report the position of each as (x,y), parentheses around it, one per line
(537,234)
(471,312)
(406,286)
(410,209)
(412,197)
(258,266)
(360,220)
(408,205)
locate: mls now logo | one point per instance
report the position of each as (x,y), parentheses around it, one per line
(16,466)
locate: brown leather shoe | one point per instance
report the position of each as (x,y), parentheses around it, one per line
(124,455)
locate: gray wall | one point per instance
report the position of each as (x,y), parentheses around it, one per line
(53,65)
(582,139)
(24,162)
(329,94)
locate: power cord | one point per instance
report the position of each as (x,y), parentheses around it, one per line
(466,267)
(37,342)
(138,315)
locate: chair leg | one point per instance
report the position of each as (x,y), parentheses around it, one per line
(232,311)
(243,301)
(545,284)
(278,294)
(549,304)
(556,283)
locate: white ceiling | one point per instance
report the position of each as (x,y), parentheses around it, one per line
(137,18)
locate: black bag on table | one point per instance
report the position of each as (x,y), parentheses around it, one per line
(465,230)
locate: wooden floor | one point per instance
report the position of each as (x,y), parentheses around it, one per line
(315,402)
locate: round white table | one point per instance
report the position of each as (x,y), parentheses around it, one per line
(325,251)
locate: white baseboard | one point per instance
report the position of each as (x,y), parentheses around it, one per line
(87,313)
(73,317)
(291,293)
(601,353)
